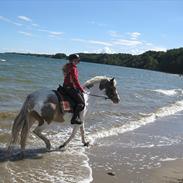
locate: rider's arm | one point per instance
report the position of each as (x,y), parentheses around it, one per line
(75,79)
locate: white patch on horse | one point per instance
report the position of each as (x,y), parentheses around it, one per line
(95,80)
(40,97)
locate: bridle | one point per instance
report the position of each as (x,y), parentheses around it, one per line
(100,96)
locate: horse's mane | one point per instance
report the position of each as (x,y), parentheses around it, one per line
(95,80)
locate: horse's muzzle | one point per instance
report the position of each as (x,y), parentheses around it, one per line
(116,100)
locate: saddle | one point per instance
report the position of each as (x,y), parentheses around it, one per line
(66,104)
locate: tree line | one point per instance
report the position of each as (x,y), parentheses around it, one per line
(170,61)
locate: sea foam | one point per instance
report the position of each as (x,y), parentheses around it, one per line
(2,60)
(132,125)
(171,92)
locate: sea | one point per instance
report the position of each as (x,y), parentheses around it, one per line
(146,97)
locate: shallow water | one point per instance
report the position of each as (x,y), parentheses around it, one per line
(145,97)
(134,155)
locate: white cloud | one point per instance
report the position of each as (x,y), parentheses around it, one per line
(122,45)
(100,42)
(140,50)
(24,18)
(55,33)
(5,19)
(9,21)
(125,42)
(136,51)
(43,30)
(106,50)
(85,51)
(78,40)
(18,24)
(158,49)
(101,50)
(92,41)
(149,44)
(35,25)
(25,33)
(114,33)
(134,35)
(51,33)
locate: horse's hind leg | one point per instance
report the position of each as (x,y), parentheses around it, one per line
(24,133)
(17,125)
(37,131)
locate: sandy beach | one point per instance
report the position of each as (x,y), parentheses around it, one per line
(150,154)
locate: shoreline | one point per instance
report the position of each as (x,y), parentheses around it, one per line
(152,153)
(122,59)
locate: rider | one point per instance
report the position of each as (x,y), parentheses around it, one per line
(73,88)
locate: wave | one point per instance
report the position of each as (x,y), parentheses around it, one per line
(7,115)
(171,92)
(132,125)
(3,60)
(168,159)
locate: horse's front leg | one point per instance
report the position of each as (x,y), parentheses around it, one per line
(82,131)
(74,131)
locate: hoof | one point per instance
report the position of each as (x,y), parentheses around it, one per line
(20,156)
(8,154)
(61,146)
(86,144)
(48,147)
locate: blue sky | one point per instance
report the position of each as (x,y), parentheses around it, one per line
(69,26)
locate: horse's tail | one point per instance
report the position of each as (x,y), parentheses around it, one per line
(19,122)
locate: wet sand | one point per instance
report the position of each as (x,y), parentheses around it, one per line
(170,172)
(150,154)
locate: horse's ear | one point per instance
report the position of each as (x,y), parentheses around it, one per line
(112,80)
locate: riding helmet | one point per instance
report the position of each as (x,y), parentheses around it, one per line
(73,56)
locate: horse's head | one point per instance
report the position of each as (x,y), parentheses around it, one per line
(106,85)
(109,88)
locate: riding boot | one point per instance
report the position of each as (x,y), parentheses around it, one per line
(75,118)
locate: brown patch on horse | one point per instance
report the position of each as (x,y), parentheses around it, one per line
(89,85)
(103,84)
(47,112)
(37,117)
(110,89)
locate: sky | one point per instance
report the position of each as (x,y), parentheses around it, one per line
(90,26)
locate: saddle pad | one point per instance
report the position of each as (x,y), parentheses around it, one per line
(65,104)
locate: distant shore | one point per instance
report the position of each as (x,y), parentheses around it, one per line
(169,61)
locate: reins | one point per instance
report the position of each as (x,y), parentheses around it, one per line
(98,96)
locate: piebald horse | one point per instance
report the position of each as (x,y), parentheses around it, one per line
(43,106)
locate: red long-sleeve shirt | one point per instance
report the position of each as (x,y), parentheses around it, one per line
(71,77)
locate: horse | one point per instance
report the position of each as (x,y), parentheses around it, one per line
(43,106)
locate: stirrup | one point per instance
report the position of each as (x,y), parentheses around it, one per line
(77,122)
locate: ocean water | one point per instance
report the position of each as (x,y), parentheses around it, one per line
(146,96)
